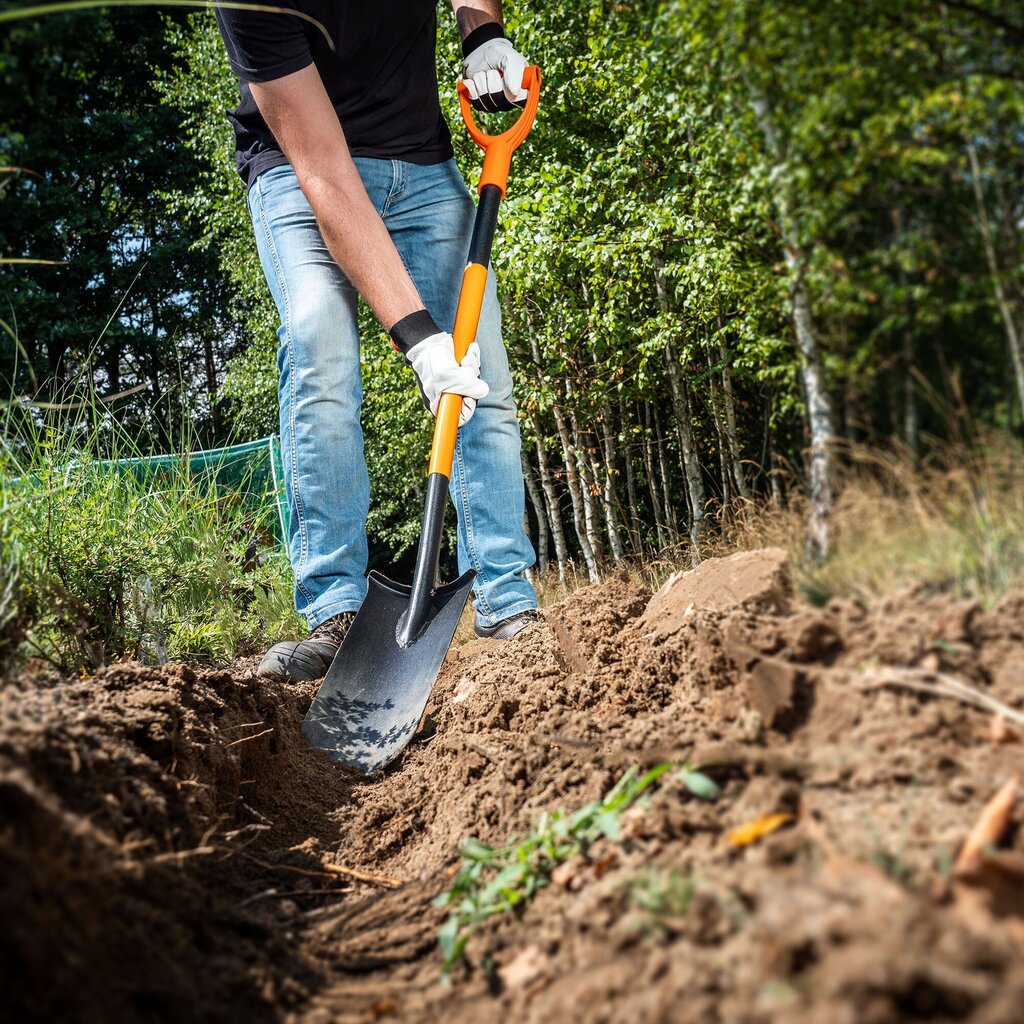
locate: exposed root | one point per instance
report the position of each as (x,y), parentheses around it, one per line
(938,684)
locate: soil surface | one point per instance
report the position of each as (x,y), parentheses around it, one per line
(171,850)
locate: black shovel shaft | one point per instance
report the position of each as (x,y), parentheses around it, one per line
(484,226)
(415,619)
(412,623)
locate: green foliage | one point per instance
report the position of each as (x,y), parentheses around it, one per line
(11,600)
(498,880)
(694,162)
(697,783)
(662,895)
(130,304)
(111,562)
(197,90)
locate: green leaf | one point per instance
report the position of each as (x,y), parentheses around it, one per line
(698,784)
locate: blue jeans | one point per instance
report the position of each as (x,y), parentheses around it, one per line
(429,214)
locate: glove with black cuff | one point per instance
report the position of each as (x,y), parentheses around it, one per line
(492,69)
(431,353)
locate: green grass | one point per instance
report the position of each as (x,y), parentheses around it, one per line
(950,523)
(662,895)
(100,563)
(497,880)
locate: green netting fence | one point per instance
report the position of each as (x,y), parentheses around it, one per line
(252,472)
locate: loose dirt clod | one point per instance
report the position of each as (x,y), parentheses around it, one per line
(173,821)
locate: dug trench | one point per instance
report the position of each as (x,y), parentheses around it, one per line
(171,850)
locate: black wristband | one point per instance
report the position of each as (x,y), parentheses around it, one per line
(412,329)
(480,35)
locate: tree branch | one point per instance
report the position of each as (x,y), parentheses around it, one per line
(1013,31)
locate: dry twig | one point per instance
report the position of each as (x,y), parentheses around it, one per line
(254,736)
(362,876)
(938,684)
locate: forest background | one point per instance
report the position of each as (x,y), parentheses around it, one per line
(753,252)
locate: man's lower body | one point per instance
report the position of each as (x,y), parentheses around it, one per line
(429,214)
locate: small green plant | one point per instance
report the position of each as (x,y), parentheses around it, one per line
(662,894)
(494,880)
(697,783)
(893,865)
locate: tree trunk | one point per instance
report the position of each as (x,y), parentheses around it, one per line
(680,406)
(819,414)
(572,477)
(774,474)
(1006,312)
(609,497)
(551,500)
(590,490)
(543,534)
(670,513)
(738,475)
(812,373)
(634,508)
(718,416)
(652,485)
(211,381)
(571,474)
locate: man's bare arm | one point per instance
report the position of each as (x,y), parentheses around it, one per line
(471,14)
(299,112)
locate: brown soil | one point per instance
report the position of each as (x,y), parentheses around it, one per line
(170,850)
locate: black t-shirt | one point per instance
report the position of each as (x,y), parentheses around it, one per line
(380,77)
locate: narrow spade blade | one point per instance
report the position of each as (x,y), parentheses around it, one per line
(374,693)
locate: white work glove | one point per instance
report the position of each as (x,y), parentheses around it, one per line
(492,69)
(431,354)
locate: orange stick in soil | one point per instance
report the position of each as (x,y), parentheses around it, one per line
(989,829)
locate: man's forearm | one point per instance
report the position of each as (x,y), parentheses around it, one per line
(360,244)
(304,122)
(471,14)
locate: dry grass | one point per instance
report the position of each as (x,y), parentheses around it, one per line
(952,523)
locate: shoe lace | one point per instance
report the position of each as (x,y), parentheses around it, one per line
(333,630)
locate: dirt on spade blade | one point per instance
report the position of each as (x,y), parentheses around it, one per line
(170,849)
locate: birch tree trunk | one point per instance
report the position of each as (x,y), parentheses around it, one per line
(738,475)
(691,465)
(659,526)
(632,527)
(590,489)
(609,497)
(572,477)
(547,485)
(1003,302)
(812,373)
(819,414)
(680,407)
(670,513)
(724,469)
(543,533)
(571,472)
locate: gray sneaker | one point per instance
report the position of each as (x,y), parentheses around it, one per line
(301,660)
(508,628)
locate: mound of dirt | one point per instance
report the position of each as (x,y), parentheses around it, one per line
(174,821)
(138,810)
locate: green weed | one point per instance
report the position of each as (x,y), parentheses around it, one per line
(697,783)
(662,894)
(495,880)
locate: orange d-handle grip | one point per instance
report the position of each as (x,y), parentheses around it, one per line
(498,149)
